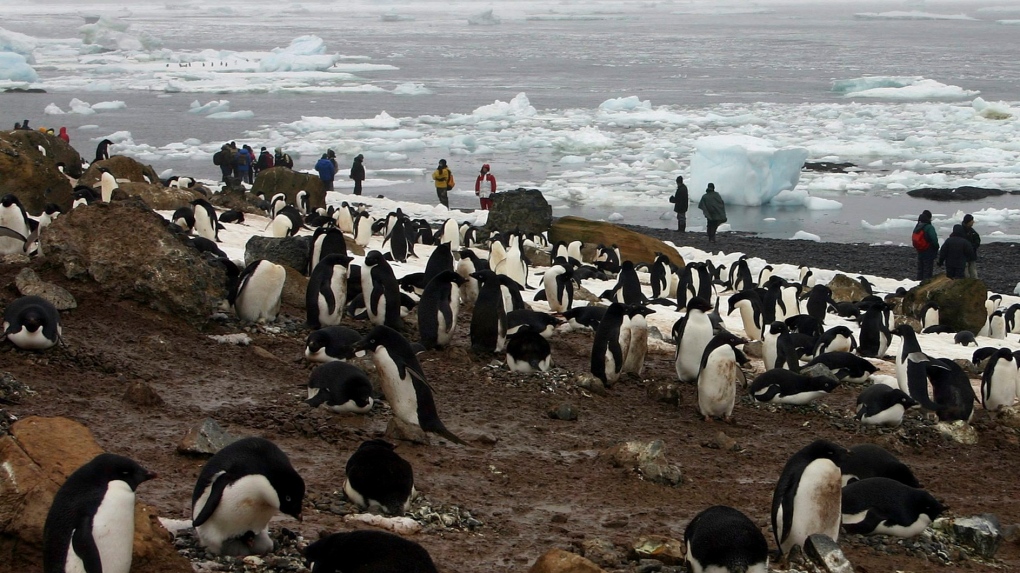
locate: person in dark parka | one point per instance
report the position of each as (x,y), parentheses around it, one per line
(714,208)
(926,258)
(975,240)
(326,172)
(956,252)
(680,199)
(358,173)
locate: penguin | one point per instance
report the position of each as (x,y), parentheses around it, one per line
(846,366)
(528,351)
(819,299)
(342,386)
(326,293)
(952,396)
(718,376)
(661,275)
(50,213)
(14,218)
(440,261)
(628,287)
(764,275)
(510,291)
(367,551)
(634,361)
(205,220)
(806,277)
(1012,324)
(31,323)
(999,381)
(497,254)
(880,405)
(804,324)
(325,241)
(964,338)
(929,315)
(740,276)
(184,218)
(884,506)
(869,461)
(438,309)
(514,265)
(692,335)
(808,495)
(259,292)
(378,479)
(469,264)
(997,325)
(397,236)
(90,525)
(276,203)
(232,216)
(403,381)
(607,259)
(908,347)
(585,317)
(611,342)
(559,286)
(778,349)
(344,218)
(721,539)
(488,318)
(238,491)
(382,294)
(331,343)
(301,202)
(749,304)
(780,386)
(789,300)
(875,336)
(286,223)
(574,251)
(450,234)
(363,229)
(695,282)
(107,183)
(836,339)
(540,322)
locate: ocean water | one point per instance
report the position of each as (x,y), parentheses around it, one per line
(615,94)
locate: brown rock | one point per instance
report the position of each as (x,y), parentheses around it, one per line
(634,246)
(665,549)
(32,176)
(29,284)
(123,168)
(602,552)
(668,392)
(246,203)
(961,301)
(287,181)
(294,288)
(846,289)
(205,439)
(141,394)
(400,430)
(560,561)
(156,196)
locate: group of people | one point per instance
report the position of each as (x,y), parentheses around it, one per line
(958,254)
(242,163)
(485,184)
(23,125)
(327,168)
(711,205)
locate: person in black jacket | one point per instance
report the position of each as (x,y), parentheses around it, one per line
(975,240)
(680,200)
(358,173)
(956,252)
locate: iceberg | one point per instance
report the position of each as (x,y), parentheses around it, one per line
(304,54)
(911,88)
(486,18)
(746,170)
(15,68)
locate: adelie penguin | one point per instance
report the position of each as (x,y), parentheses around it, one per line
(692,335)
(609,348)
(778,349)
(326,293)
(869,461)
(258,294)
(836,339)
(238,491)
(637,349)
(403,381)
(90,526)
(999,381)
(887,507)
(952,396)
(342,387)
(558,286)
(585,317)
(808,495)
(438,309)
(31,323)
(382,293)
(331,343)
(488,318)
(528,351)
(540,322)
(880,405)
(378,479)
(368,551)
(718,376)
(205,220)
(325,241)
(14,219)
(781,386)
(721,539)
(846,366)
(875,336)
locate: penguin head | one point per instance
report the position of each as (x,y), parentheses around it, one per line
(932,508)
(699,303)
(378,336)
(10,199)
(374,258)
(32,319)
(290,488)
(820,449)
(904,330)
(112,467)
(778,327)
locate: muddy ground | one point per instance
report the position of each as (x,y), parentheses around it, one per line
(533,482)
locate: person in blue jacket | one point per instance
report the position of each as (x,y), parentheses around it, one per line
(326,172)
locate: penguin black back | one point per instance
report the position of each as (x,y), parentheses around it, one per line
(368,551)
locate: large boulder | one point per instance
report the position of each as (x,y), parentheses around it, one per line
(123,168)
(846,289)
(32,176)
(523,209)
(964,193)
(128,250)
(243,202)
(961,301)
(634,246)
(37,457)
(56,149)
(287,251)
(287,181)
(157,196)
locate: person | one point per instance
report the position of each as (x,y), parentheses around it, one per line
(975,241)
(714,208)
(485,187)
(242,165)
(358,173)
(24,124)
(225,161)
(325,168)
(926,243)
(680,200)
(63,135)
(331,155)
(956,253)
(17,125)
(250,159)
(265,160)
(443,178)
(283,159)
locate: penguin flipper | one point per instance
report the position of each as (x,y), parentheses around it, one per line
(219,484)
(84,546)
(782,500)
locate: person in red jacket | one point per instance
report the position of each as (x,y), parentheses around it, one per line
(63,135)
(485,187)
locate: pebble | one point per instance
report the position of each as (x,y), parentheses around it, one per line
(565,411)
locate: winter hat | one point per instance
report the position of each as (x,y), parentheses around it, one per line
(711,186)
(442,162)
(485,167)
(680,179)
(359,157)
(925,217)
(958,230)
(263,149)
(967,218)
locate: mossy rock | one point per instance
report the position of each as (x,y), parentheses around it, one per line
(634,246)
(961,301)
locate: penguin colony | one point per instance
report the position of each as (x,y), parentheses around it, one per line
(822,488)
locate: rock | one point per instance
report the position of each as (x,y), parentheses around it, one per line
(1007,416)
(141,394)
(32,176)
(37,457)
(602,552)
(244,202)
(668,392)
(826,553)
(723,442)
(205,439)
(398,429)
(958,431)
(980,533)
(969,367)
(961,301)
(962,193)
(648,566)
(590,382)
(124,170)
(667,550)
(647,459)
(287,181)
(581,293)
(565,412)
(135,257)
(523,209)
(287,251)
(11,390)
(28,283)
(819,370)
(263,353)
(753,349)
(294,288)
(846,289)
(156,196)
(560,561)
(633,246)
(828,166)
(538,257)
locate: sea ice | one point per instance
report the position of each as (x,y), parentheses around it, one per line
(306,53)
(15,68)
(745,170)
(805,236)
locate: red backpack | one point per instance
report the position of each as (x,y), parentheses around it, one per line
(920,240)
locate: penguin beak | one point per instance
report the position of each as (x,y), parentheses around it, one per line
(150,475)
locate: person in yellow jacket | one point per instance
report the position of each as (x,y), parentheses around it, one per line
(444,182)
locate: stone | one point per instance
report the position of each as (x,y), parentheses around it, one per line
(287,251)
(560,561)
(158,196)
(961,301)
(538,257)
(666,550)
(590,382)
(28,283)
(962,193)
(565,412)
(398,429)
(581,293)
(205,439)
(647,459)
(668,392)
(123,168)
(1009,416)
(33,177)
(634,246)
(723,442)
(287,181)
(819,370)
(141,394)
(12,391)
(37,458)
(753,349)
(244,202)
(981,534)
(602,552)
(826,554)
(959,431)
(648,566)
(294,288)
(519,209)
(846,289)
(137,258)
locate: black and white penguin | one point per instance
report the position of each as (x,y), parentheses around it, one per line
(836,339)
(607,259)
(997,325)
(438,309)
(869,461)
(344,217)
(952,396)
(363,229)
(83,195)
(238,491)
(398,238)
(259,291)
(661,276)
(107,183)
(440,261)
(778,349)
(14,217)
(469,264)
(378,479)
(326,294)
(999,381)
(804,324)
(91,523)
(510,290)
(367,551)
(50,213)
(610,345)
(331,343)
(740,276)
(929,315)
(286,223)
(875,335)
(634,361)
(528,351)
(341,386)
(628,286)
(276,202)
(205,220)
(184,217)
(806,277)
(721,539)
(325,241)
(540,322)
(382,293)
(558,285)
(585,317)
(884,506)
(848,367)
(781,386)
(818,301)
(488,318)
(880,405)
(718,376)
(964,338)
(695,282)
(31,323)
(403,381)
(450,234)
(808,495)
(692,334)
(909,346)
(764,275)
(749,304)
(301,202)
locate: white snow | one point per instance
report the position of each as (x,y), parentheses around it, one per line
(745,170)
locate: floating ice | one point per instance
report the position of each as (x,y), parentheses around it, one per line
(630,103)
(805,236)
(215,106)
(998,110)
(614,217)
(486,18)
(306,53)
(909,15)
(112,34)
(14,67)
(411,88)
(745,170)
(900,88)
(243,114)
(109,105)
(18,43)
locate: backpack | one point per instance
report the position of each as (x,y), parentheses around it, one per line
(920,240)
(449,179)
(217,158)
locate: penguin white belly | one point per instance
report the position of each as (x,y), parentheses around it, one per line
(799,399)
(363,234)
(203,226)
(696,337)
(445,333)
(259,300)
(717,383)
(697,568)
(337,284)
(920,524)
(246,505)
(769,353)
(399,391)
(885,380)
(901,374)
(638,347)
(816,504)
(344,221)
(1001,391)
(26,340)
(350,407)
(752,330)
(279,228)
(556,304)
(891,417)
(883,343)
(318,356)
(839,344)
(11,245)
(997,327)
(113,529)
(791,302)
(612,372)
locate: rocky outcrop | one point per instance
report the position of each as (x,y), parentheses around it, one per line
(287,181)
(634,246)
(28,283)
(846,289)
(523,209)
(127,249)
(32,176)
(156,196)
(965,193)
(57,150)
(246,203)
(37,457)
(961,301)
(123,168)
(287,251)
(560,561)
